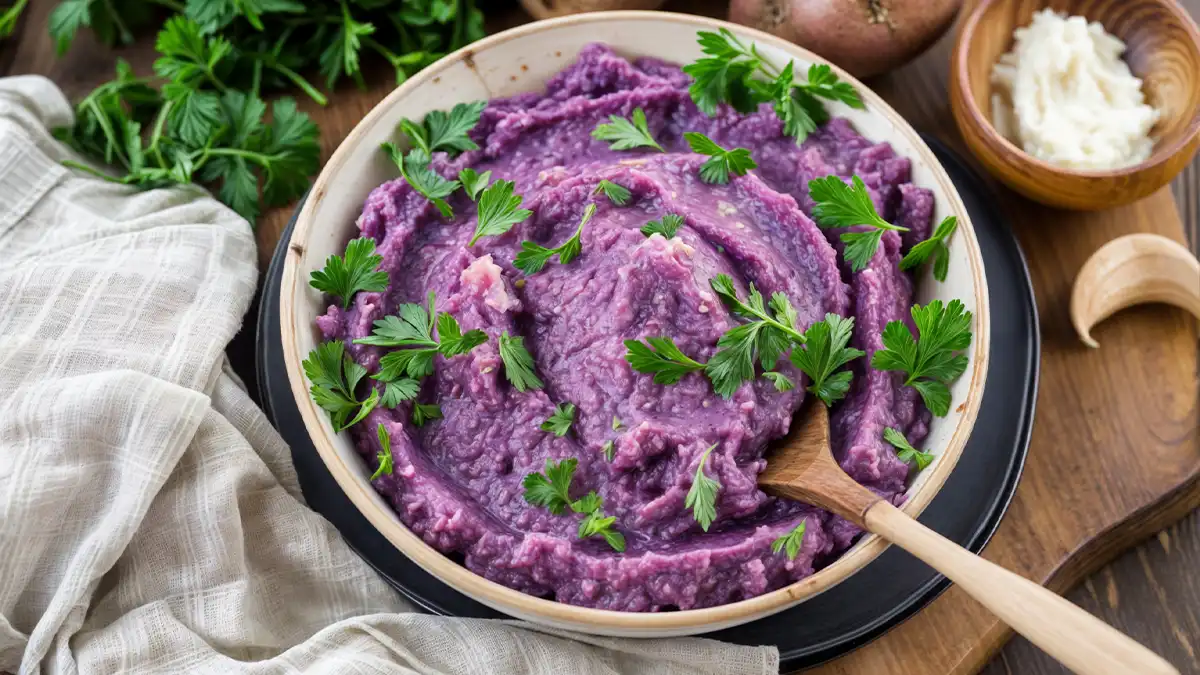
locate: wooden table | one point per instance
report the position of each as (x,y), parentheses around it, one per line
(1151,592)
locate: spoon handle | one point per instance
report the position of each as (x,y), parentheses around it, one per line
(1079,640)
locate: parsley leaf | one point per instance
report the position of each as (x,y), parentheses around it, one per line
(792,541)
(619,195)
(334,377)
(551,490)
(444,131)
(724,162)
(667,227)
(452,341)
(559,423)
(823,352)
(769,334)
(726,75)
(411,326)
(448,132)
(414,168)
(499,211)
(340,56)
(934,247)
(662,358)
(385,455)
(343,276)
(841,205)
(616,423)
(595,523)
(702,496)
(397,391)
(518,364)
(621,134)
(474,183)
(905,451)
(425,412)
(609,448)
(534,257)
(933,361)
(782,382)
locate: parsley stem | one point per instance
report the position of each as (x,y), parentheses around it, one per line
(170,4)
(8,20)
(766,318)
(156,134)
(126,36)
(87,169)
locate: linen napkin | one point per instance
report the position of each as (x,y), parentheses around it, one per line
(150,518)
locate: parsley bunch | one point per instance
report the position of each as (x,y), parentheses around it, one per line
(202,119)
(728,75)
(196,128)
(277,39)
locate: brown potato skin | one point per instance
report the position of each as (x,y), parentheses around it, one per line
(865,37)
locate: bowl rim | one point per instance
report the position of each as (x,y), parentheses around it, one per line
(604,621)
(959,73)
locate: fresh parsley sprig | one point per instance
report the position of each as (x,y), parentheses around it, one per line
(445,132)
(196,129)
(905,451)
(552,490)
(823,352)
(723,162)
(385,454)
(934,247)
(415,170)
(622,134)
(618,194)
(727,75)
(667,226)
(770,332)
(518,363)
(595,523)
(702,496)
(931,362)
(791,542)
(499,211)
(841,205)
(533,257)
(560,421)
(334,377)
(662,358)
(412,328)
(343,276)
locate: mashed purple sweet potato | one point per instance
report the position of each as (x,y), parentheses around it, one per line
(457,481)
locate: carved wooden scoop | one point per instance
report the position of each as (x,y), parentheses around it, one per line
(803,468)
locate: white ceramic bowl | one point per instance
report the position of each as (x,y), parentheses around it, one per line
(521,60)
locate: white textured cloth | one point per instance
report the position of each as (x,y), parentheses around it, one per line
(150,519)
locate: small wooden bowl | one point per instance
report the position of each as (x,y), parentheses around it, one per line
(1163,49)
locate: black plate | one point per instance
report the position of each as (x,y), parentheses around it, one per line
(881,595)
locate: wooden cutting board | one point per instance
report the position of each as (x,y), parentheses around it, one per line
(1115,455)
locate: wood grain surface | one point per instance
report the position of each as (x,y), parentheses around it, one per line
(1133,402)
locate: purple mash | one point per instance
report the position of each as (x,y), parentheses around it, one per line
(457,481)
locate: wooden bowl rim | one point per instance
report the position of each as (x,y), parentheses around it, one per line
(959,73)
(601,621)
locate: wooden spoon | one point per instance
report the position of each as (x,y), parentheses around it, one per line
(802,468)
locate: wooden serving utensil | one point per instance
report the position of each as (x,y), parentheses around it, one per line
(802,468)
